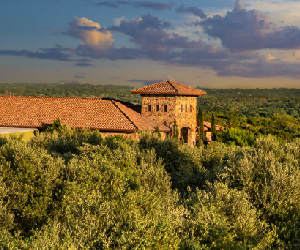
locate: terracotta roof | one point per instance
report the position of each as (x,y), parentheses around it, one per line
(76,112)
(207,125)
(168,88)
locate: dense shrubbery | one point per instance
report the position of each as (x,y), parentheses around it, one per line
(70,189)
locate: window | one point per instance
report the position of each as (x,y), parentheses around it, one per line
(191,108)
(157,107)
(181,108)
(165,108)
(185,107)
(149,108)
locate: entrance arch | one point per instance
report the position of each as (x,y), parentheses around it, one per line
(185,134)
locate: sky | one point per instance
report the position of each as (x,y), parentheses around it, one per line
(207,43)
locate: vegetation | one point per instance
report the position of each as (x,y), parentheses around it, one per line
(253,112)
(70,90)
(200,125)
(71,189)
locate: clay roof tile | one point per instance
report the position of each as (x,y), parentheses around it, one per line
(168,88)
(76,112)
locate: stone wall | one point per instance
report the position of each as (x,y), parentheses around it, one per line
(183,109)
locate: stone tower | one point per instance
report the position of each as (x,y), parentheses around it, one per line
(167,102)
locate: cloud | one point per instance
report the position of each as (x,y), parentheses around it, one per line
(193,10)
(152,5)
(149,33)
(84,62)
(269,57)
(241,29)
(261,69)
(155,40)
(238,6)
(59,54)
(90,33)
(117,21)
(140,4)
(145,82)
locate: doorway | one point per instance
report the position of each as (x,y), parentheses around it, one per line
(185,134)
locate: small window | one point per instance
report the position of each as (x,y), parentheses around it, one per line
(185,108)
(191,108)
(165,108)
(149,108)
(181,108)
(157,107)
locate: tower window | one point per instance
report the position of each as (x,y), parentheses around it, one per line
(157,107)
(181,108)
(165,108)
(191,108)
(149,108)
(185,107)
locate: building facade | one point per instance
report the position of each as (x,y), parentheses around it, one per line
(172,103)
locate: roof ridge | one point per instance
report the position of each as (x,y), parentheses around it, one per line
(114,102)
(170,82)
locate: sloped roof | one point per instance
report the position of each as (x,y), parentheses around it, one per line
(207,125)
(76,112)
(168,88)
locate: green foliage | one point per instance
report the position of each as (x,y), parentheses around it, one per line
(157,131)
(213,128)
(56,126)
(30,176)
(223,218)
(262,111)
(119,92)
(106,196)
(238,137)
(200,125)
(269,173)
(175,131)
(117,193)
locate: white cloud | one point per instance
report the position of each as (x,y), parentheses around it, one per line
(280,11)
(117,21)
(90,33)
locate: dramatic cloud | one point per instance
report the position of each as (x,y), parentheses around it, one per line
(193,10)
(250,30)
(153,39)
(148,32)
(90,33)
(141,4)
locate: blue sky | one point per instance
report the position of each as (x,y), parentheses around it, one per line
(208,43)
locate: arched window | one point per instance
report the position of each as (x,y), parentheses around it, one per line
(157,108)
(165,108)
(149,108)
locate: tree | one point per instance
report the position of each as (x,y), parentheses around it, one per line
(200,125)
(175,132)
(213,128)
(157,131)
